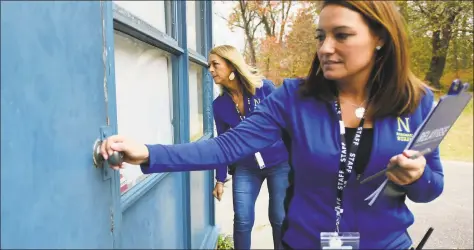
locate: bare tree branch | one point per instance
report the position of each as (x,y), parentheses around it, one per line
(221,16)
(272,18)
(284,19)
(256,27)
(247,15)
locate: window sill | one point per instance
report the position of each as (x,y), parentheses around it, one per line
(141,188)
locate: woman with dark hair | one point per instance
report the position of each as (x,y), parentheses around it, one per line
(355,112)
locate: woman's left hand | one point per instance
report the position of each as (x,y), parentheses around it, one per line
(409,170)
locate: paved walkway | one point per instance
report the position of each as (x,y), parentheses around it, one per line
(262,231)
(451,214)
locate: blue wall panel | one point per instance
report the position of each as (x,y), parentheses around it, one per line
(154,221)
(57,73)
(200,195)
(52,106)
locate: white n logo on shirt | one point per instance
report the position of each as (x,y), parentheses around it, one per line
(403,124)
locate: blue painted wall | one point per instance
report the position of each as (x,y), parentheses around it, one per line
(52,105)
(155,220)
(57,91)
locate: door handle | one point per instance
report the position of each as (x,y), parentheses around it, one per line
(115,159)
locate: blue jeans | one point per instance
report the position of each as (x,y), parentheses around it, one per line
(246,184)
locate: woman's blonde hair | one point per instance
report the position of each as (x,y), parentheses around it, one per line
(248,76)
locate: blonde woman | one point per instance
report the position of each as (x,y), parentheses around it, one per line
(242,89)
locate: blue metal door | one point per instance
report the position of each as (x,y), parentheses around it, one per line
(55,97)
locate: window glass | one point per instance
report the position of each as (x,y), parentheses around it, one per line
(152,12)
(144,97)
(195,101)
(191,24)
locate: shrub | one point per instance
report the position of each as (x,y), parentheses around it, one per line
(225,242)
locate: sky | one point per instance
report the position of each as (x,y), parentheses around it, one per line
(221,32)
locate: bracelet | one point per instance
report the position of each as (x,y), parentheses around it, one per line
(220,182)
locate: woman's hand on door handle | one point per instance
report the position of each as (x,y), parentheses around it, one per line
(133,152)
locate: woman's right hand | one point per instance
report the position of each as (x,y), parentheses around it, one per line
(133,152)
(218,191)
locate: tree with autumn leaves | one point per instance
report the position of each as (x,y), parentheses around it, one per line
(271,16)
(441,35)
(280,37)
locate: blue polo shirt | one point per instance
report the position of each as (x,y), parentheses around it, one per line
(226,117)
(313,128)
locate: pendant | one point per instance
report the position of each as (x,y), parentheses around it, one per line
(359,112)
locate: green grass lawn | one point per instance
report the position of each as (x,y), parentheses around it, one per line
(457,145)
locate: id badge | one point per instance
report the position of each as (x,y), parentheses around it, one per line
(340,240)
(260,161)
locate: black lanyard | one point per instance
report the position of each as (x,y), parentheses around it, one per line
(346,162)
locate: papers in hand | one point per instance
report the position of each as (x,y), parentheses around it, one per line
(436,125)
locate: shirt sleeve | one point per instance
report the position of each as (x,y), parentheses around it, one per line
(268,87)
(221,127)
(259,130)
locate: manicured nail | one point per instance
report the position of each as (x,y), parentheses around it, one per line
(406,154)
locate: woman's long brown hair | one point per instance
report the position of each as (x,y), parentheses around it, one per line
(395,89)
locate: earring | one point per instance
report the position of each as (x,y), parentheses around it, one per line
(232,76)
(378,47)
